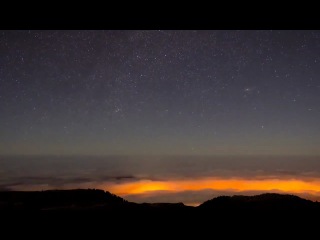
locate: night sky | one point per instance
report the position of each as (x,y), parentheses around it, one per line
(160,93)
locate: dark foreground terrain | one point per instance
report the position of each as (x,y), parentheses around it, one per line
(90,211)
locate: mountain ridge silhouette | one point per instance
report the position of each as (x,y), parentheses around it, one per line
(94,212)
(96,199)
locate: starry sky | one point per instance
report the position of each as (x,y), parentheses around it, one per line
(160,92)
(141,113)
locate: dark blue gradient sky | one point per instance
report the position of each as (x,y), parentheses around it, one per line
(160,92)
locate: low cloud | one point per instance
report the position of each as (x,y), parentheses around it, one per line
(195,198)
(45,183)
(164,176)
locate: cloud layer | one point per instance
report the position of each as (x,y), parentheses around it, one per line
(191,180)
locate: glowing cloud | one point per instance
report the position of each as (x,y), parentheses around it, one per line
(234,185)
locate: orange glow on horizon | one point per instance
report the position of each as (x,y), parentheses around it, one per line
(234,185)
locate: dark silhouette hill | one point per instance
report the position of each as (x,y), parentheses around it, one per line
(98,200)
(264,202)
(59,200)
(92,211)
